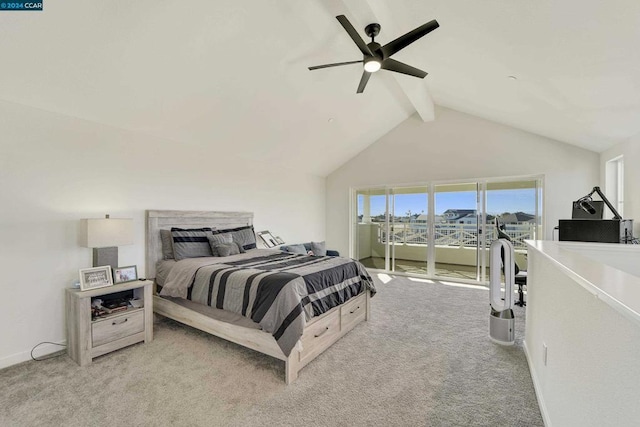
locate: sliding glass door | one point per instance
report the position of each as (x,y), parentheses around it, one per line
(443,230)
(371,227)
(456,230)
(408,230)
(514,206)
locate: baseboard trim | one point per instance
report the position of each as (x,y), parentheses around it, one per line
(537,388)
(25,356)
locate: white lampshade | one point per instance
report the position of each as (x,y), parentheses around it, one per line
(107,232)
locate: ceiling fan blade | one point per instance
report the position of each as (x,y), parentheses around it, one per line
(354,35)
(337,64)
(401,67)
(405,40)
(363,81)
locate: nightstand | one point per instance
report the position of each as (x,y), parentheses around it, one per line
(88,338)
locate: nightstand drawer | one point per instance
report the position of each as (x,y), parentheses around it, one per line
(116,327)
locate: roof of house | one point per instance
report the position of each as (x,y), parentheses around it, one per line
(456,214)
(516,217)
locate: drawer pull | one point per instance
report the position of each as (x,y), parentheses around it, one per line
(354,310)
(119,323)
(322,333)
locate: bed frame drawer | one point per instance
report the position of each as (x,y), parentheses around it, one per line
(116,327)
(320,335)
(353,311)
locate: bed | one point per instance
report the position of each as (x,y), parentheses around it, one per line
(288,306)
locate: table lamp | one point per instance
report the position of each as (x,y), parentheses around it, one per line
(104,236)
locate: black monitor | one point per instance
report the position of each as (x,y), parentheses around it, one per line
(579,213)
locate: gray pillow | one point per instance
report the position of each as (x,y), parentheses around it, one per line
(215,239)
(190,243)
(296,249)
(244,236)
(319,248)
(226,249)
(167,244)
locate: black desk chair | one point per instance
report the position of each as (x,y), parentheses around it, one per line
(520,278)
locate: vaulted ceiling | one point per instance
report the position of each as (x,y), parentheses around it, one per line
(233,74)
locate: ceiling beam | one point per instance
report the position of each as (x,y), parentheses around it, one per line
(416,92)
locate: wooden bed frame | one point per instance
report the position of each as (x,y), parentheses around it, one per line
(319,334)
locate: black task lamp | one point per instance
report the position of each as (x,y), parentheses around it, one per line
(586,203)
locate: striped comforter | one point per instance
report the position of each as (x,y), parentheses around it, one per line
(278,290)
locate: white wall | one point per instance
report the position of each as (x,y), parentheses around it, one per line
(55,170)
(591,376)
(460,146)
(631,151)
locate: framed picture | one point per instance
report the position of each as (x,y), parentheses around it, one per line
(125,274)
(96,277)
(268,238)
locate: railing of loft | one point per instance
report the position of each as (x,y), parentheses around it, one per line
(461,235)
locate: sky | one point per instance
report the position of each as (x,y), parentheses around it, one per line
(498,202)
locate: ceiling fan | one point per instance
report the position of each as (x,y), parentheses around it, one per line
(376,57)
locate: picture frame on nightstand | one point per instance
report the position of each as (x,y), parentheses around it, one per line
(125,274)
(95,277)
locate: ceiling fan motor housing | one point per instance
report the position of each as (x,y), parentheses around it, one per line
(375,49)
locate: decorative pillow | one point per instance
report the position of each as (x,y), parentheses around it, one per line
(296,249)
(245,237)
(319,248)
(240,247)
(226,249)
(215,239)
(167,244)
(190,243)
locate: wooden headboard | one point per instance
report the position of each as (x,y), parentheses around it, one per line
(164,220)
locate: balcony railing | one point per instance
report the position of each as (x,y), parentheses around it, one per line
(459,235)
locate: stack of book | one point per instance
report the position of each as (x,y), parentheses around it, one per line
(115,306)
(99,308)
(97,312)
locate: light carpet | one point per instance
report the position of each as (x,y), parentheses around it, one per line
(424,359)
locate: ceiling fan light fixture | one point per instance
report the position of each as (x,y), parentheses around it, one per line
(372,65)
(374,56)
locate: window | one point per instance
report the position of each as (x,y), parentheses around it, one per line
(614,183)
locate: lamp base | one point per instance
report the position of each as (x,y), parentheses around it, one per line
(106,256)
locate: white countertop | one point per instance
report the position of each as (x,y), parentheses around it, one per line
(609,271)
